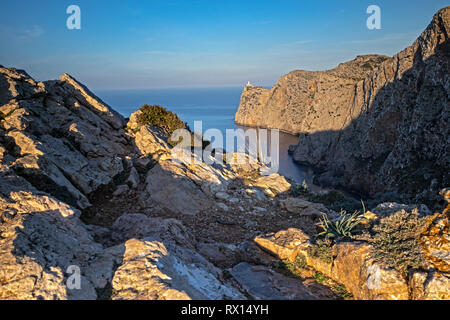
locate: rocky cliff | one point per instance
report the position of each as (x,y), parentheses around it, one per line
(376,125)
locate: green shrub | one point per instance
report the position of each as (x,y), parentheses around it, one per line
(396,241)
(299,189)
(161,118)
(288,268)
(320,277)
(322,250)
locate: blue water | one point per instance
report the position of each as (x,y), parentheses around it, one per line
(215,107)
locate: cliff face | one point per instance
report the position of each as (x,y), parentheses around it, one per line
(381,131)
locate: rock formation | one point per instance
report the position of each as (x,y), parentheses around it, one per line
(376,125)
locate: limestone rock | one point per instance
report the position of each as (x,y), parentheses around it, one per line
(67,144)
(286,244)
(276,183)
(140,226)
(168,186)
(303,207)
(434,286)
(86,97)
(150,140)
(152,270)
(435,240)
(263,283)
(40,238)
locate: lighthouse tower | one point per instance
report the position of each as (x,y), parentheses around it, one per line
(248,84)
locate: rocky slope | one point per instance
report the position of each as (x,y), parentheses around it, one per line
(81,188)
(376,125)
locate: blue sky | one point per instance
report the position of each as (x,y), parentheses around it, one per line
(168,43)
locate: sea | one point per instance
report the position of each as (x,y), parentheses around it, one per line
(215,107)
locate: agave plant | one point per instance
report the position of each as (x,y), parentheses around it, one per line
(342,227)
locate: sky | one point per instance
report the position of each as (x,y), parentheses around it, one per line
(200,43)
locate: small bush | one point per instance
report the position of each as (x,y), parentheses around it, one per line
(322,250)
(320,277)
(292,268)
(342,292)
(161,118)
(299,189)
(396,241)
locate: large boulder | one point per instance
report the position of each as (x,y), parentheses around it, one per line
(152,270)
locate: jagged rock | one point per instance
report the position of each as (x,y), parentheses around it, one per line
(167,185)
(40,238)
(262,283)
(123,188)
(303,207)
(367,280)
(133,178)
(274,182)
(151,270)
(59,143)
(435,239)
(352,264)
(429,287)
(88,99)
(375,124)
(286,244)
(150,140)
(140,226)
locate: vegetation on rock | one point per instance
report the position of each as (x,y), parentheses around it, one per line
(396,241)
(322,250)
(161,118)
